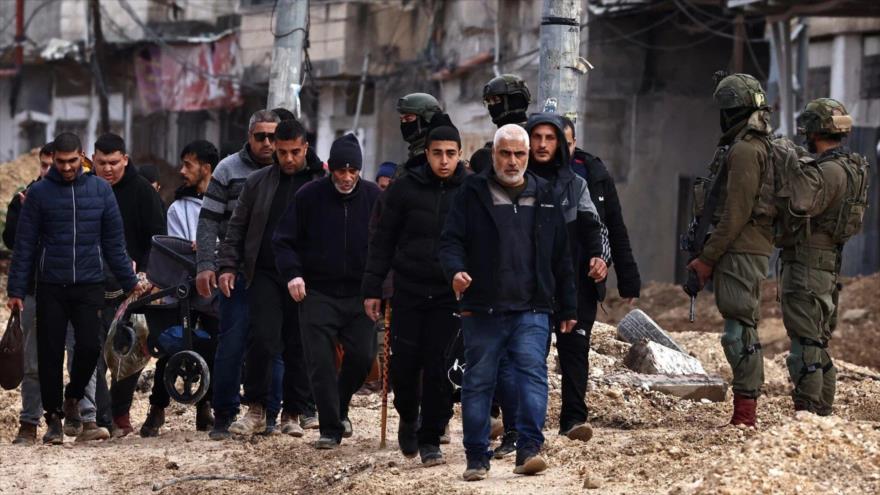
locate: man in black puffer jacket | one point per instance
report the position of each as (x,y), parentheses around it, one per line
(424,305)
(69,224)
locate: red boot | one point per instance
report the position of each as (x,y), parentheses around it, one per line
(744,410)
(122,426)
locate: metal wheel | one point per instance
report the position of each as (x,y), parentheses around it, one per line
(187,377)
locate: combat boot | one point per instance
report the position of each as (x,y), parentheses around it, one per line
(91,431)
(252,423)
(155,420)
(54,434)
(72,420)
(27,434)
(744,410)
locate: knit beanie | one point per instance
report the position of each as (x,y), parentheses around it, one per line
(443,133)
(345,153)
(387,169)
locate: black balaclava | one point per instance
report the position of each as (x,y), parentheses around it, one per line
(730,117)
(510,110)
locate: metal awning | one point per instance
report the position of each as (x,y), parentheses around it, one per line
(786,9)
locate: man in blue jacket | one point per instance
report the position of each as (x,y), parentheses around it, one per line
(69,222)
(505,250)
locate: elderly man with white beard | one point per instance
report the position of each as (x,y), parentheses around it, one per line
(505,251)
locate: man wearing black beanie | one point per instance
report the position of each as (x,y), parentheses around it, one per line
(424,322)
(320,248)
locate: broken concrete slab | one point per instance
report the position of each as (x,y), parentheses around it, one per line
(637,325)
(692,387)
(855,314)
(652,358)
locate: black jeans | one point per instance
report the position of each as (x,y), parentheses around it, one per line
(274,329)
(324,321)
(58,305)
(574,350)
(205,348)
(421,331)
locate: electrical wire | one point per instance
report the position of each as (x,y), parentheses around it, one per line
(272,24)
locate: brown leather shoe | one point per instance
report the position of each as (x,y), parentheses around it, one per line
(155,420)
(27,434)
(54,434)
(744,410)
(252,423)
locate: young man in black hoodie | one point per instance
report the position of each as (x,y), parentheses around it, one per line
(248,249)
(143,216)
(320,248)
(590,254)
(424,320)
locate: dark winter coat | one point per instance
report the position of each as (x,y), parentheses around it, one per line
(13,210)
(323,236)
(143,214)
(470,243)
(604,195)
(246,230)
(67,228)
(408,233)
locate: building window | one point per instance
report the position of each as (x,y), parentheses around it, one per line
(870,77)
(351,98)
(818,83)
(256,3)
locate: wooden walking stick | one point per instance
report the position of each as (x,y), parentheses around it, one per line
(385,355)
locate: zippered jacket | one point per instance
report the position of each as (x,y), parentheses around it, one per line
(323,235)
(67,228)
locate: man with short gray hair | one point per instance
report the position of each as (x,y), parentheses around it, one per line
(505,250)
(219,202)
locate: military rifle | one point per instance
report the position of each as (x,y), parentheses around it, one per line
(697,234)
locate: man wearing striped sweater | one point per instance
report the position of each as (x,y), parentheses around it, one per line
(219,201)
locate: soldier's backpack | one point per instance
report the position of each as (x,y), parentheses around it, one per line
(797,189)
(852,211)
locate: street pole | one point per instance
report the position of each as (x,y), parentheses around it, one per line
(558,72)
(285,77)
(97,62)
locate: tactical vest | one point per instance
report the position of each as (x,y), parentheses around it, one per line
(844,220)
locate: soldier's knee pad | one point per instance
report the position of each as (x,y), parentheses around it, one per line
(803,362)
(732,340)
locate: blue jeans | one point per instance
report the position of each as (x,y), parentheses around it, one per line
(522,339)
(231,344)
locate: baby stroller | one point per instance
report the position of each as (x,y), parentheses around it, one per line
(168,312)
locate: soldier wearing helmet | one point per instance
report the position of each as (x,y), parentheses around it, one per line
(416,111)
(811,253)
(736,256)
(507,97)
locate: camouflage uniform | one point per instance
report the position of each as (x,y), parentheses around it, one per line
(741,243)
(811,263)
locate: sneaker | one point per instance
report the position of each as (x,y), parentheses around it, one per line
(477,469)
(407,438)
(251,423)
(204,418)
(508,445)
(309,421)
(122,426)
(155,420)
(91,431)
(54,434)
(580,431)
(444,438)
(496,428)
(290,426)
(529,464)
(27,434)
(347,430)
(72,420)
(220,430)
(326,442)
(431,455)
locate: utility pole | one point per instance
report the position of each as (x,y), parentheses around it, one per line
(285,77)
(97,65)
(560,65)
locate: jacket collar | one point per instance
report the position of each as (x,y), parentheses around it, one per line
(187,192)
(128,177)
(424,175)
(55,176)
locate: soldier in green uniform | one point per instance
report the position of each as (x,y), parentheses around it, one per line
(811,244)
(416,112)
(736,256)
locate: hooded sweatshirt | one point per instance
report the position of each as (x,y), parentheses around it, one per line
(587,234)
(183,214)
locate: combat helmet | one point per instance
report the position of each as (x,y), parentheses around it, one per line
(824,116)
(739,91)
(425,107)
(515,98)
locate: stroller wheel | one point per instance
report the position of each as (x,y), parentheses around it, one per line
(124,340)
(187,377)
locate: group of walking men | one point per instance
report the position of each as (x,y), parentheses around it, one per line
(495,255)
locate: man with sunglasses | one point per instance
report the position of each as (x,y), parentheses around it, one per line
(219,202)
